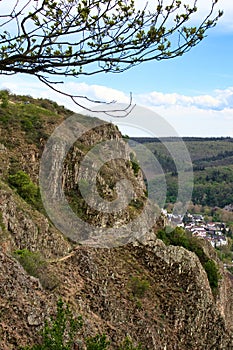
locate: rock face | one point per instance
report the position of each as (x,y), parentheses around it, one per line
(25,228)
(176,311)
(24,304)
(157,295)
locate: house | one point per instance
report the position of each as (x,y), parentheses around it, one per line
(218,241)
(198,231)
(198,218)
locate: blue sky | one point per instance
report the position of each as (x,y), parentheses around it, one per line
(193,93)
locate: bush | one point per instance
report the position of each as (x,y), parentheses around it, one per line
(32,262)
(128,345)
(59,333)
(212,273)
(136,203)
(25,188)
(134,164)
(139,286)
(161,234)
(4,97)
(35,265)
(135,167)
(99,342)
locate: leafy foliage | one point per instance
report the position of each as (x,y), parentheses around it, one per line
(212,273)
(4,97)
(98,342)
(134,164)
(110,36)
(25,187)
(35,265)
(136,203)
(60,331)
(139,286)
(128,345)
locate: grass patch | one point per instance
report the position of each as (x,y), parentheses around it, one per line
(35,265)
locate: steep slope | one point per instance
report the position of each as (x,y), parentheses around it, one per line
(155,294)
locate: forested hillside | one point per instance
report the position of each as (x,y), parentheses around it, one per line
(212,160)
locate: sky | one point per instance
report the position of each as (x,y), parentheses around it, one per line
(192,93)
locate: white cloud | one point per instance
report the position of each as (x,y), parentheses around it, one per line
(201,115)
(97,92)
(27,85)
(193,121)
(219,100)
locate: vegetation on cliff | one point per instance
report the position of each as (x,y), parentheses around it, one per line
(145,292)
(179,237)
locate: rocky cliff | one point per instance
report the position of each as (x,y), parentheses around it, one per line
(155,294)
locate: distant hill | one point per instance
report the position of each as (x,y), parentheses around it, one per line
(212,160)
(185,138)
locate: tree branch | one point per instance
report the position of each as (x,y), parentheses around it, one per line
(80,37)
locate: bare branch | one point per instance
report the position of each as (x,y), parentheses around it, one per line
(75,98)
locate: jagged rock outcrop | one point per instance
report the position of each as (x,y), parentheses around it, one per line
(23,302)
(25,228)
(177,310)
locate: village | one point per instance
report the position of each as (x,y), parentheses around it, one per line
(214,232)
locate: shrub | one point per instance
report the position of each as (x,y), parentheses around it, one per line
(32,262)
(128,345)
(139,286)
(4,97)
(161,234)
(134,164)
(35,265)
(98,342)
(136,203)
(212,273)
(25,188)
(60,331)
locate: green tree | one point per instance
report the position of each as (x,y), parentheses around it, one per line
(60,331)
(79,37)
(4,97)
